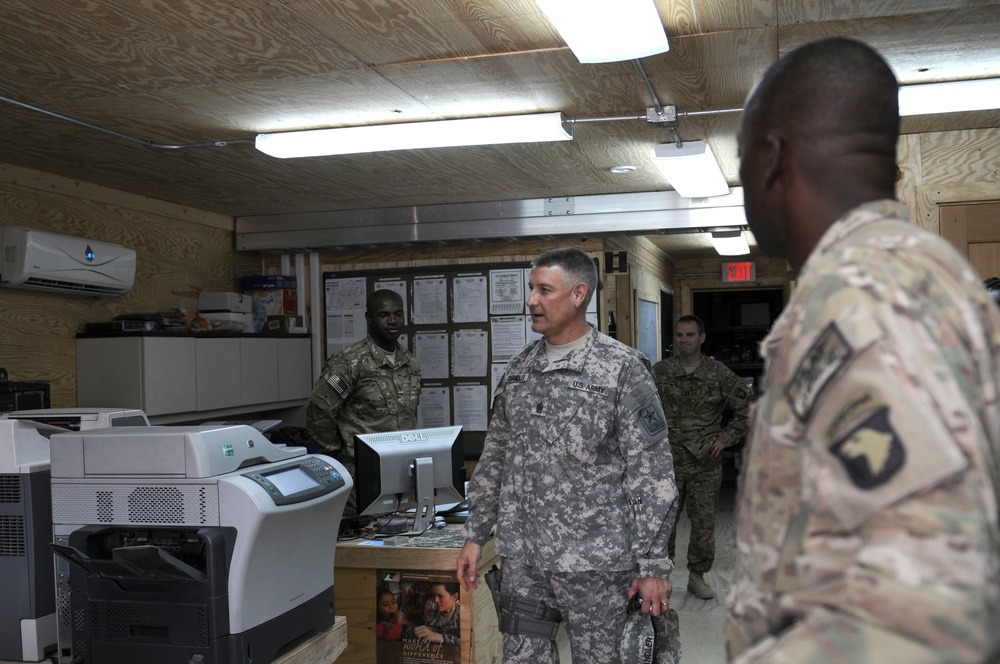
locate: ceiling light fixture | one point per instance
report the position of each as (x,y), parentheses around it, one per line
(949,97)
(691,169)
(730,243)
(603,31)
(413,135)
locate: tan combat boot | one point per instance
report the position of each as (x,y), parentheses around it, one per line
(698,587)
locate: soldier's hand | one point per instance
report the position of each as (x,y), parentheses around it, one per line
(717,448)
(468,561)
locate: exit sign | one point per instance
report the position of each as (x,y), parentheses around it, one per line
(738,272)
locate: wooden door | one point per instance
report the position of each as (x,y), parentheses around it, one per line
(975,229)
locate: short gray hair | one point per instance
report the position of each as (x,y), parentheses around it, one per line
(576,263)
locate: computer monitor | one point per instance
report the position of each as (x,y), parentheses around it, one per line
(418,469)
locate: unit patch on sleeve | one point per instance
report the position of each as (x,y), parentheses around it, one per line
(871,452)
(651,419)
(644,402)
(828,354)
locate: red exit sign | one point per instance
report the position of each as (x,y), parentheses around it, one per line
(737,272)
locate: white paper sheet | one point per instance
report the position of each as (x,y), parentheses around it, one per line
(470,407)
(431,349)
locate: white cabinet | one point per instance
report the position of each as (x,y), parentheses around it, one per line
(295,368)
(175,375)
(156,374)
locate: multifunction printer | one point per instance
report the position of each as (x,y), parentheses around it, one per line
(205,544)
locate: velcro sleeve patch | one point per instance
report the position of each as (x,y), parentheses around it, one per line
(337,383)
(643,401)
(824,359)
(871,452)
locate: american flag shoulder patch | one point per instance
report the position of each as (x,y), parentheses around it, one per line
(337,383)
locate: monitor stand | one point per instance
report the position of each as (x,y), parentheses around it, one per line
(423,494)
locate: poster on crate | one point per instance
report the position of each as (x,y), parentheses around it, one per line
(417,617)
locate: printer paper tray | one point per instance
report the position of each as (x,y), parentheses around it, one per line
(133,563)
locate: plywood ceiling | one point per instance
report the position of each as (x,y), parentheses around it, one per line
(178,72)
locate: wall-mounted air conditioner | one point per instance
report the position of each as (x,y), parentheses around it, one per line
(39,260)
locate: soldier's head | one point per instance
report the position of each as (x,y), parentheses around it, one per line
(561,285)
(688,338)
(384,314)
(817,137)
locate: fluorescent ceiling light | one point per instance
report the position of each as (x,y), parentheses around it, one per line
(730,243)
(413,135)
(608,30)
(949,97)
(691,170)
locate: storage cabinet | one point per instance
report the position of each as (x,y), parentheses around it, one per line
(171,376)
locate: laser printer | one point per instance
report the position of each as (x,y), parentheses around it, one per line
(76,419)
(27,581)
(205,543)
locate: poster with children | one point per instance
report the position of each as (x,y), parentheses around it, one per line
(417,618)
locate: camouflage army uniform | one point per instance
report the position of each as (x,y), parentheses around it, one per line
(868,514)
(360,392)
(576,474)
(693,404)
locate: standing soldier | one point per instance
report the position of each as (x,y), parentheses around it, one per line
(576,476)
(372,386)
(867,521)
(695,391)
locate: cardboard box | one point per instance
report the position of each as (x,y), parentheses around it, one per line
(283,324)
(237,302)
(276,302)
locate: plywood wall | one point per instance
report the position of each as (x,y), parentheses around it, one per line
(179,253)
(948,167)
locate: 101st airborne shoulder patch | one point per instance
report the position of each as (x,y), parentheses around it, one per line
(827,356)
(871,452)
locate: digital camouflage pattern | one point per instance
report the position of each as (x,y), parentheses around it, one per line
(576,471)
(867,524)
(359,391)
(649,639)
(592,607)
(693,404)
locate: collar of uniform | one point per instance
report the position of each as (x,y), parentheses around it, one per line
(677,367)
(860,216)
(379,353)
(573,362)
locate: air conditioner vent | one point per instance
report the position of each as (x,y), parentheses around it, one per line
(44,261)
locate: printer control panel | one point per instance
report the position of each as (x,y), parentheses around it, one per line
(298,481)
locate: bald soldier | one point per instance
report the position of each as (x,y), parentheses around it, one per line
(372,386)
(867,522)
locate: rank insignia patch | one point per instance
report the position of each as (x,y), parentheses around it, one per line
(871,452)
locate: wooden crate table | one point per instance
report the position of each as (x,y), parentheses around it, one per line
(359,569)
(323,648)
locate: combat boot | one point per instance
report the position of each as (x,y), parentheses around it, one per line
(698,587)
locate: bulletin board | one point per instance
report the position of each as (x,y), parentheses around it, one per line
(463,323)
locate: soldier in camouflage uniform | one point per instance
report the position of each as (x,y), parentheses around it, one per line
(868,526)
(576,474)
(695,390)
(372,386)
